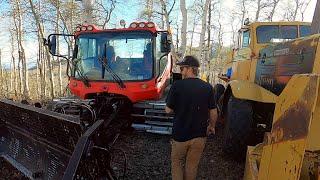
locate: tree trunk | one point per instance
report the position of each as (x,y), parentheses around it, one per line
(296,10)
(13,69)
(21,51)
(183,27)
(202,35)
(192,33)
(149,10)
(48,57)
(58,60)
(167,20)
(258,10)
(274,5)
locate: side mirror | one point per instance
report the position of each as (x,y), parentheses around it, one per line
(165,43)
(59,45)
(52,44)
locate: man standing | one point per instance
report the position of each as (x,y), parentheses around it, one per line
(192,102)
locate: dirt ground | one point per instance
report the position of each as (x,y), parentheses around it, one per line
(148,157)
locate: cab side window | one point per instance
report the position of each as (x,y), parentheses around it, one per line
(244,39)
(305,31)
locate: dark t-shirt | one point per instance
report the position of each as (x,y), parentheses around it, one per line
(191,99)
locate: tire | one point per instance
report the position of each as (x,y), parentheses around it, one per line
(238,128)
(218,91)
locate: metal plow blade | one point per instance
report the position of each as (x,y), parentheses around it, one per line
(47,145)
(37,142)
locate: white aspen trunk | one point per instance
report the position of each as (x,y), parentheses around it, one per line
(202,35)
(184,26)
(20,76)
(88,10)
(258,10)
(296,10)
(37,80)
(48,57)
(13,70)
(149,9)
(166,16)
(58,44)
(22,56)
(192,34)
(274,5)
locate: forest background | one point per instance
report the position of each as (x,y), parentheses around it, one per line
(204,28)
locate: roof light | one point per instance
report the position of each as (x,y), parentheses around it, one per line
(133,25)
(78,29)
(142,25)
(90,28)
(83,28)
(150,25)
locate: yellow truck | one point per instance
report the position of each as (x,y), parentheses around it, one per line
(267,56)
(272,100)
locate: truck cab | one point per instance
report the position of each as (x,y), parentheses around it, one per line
(134,62)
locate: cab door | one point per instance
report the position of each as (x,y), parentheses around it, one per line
(241,59)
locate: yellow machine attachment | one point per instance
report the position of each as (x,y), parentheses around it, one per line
(292,149)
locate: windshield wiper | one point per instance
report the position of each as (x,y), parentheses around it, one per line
(114,76)
(82,76)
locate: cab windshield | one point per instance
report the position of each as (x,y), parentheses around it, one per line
(269,33)
(129,55)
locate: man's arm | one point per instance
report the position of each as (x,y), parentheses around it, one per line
(213,116)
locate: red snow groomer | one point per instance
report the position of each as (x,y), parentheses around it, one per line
(116,76)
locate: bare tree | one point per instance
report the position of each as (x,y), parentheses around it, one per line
(184,25)
(260,6)
(58,59)
(48,56)
(104,11)
(274,4)
(303,8)
(291,12)
(166,14)
(17,18)
(202,34)
(14,86)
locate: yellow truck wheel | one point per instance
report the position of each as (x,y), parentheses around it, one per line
(218,91)
(238,128)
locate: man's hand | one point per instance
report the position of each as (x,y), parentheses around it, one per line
(211,129)
(212,122)
(168,110)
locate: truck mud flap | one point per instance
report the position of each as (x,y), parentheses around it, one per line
(47,145)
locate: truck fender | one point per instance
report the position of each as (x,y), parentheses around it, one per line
(251,91)
(245,90)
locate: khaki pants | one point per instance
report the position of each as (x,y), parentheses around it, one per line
(185,158)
